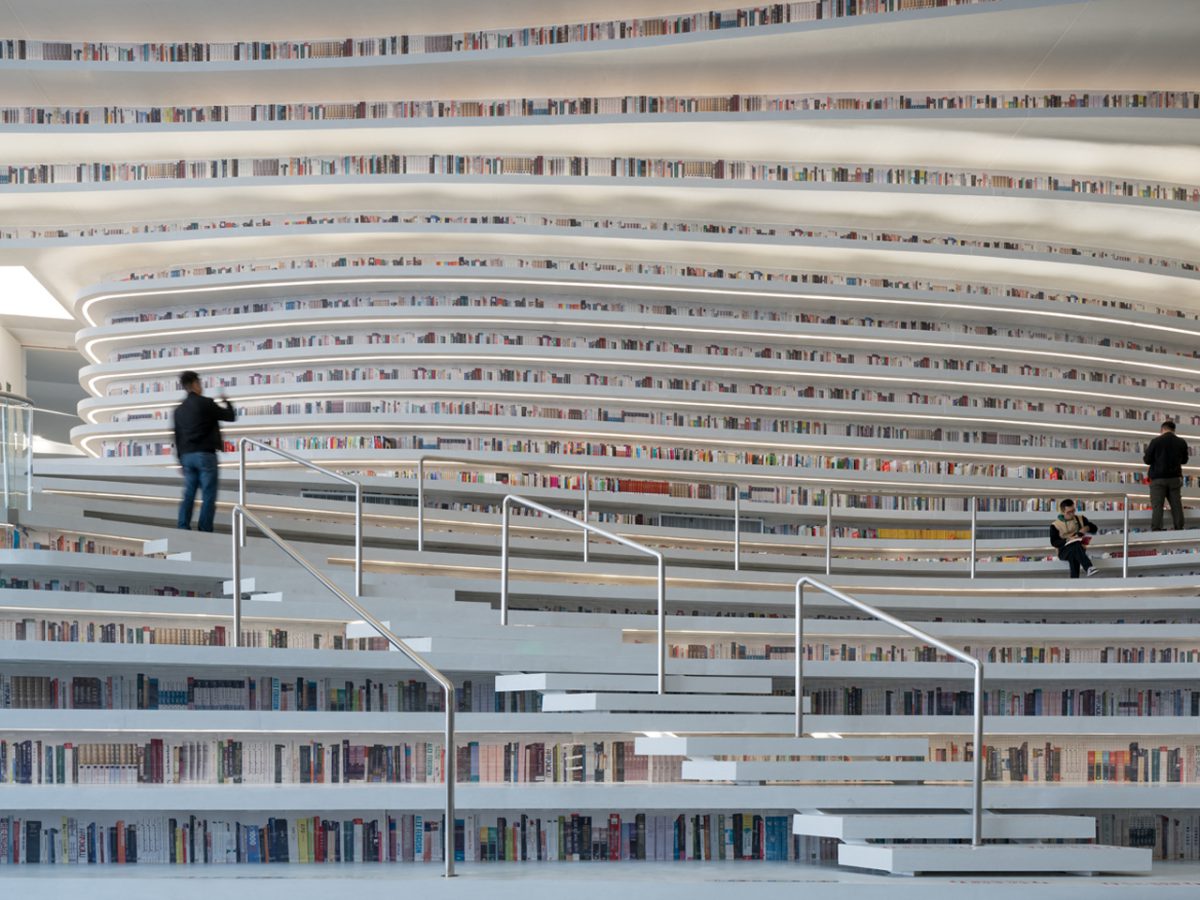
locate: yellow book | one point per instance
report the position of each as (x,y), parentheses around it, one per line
(302,840)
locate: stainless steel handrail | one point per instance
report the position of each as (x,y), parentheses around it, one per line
(241,515)
(977,802)
(586,470)
(517,500)
(300,460)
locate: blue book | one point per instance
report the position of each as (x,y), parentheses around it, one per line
(253,851)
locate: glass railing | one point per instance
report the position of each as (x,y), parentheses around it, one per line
(16,451)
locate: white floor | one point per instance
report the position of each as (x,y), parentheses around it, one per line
(577,881)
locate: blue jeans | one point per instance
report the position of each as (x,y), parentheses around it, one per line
(199,470)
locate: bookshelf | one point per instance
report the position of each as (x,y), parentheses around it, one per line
(516,262)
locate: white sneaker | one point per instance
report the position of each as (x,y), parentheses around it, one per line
(1092,571)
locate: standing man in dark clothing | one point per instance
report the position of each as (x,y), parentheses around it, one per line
(197,440)
(1166,456)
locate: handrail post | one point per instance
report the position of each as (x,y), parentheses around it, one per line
(586,512)
(962,656)
(451,698)
(242,489)
(737,527)
(1125,537)
(450,773)
(5,458)
(662,625)
(29,459)
(421,505)
(358,540)
(512,500)
(238,527)
(828,533)
(799,659)
(974,532)
(977,773)
(504,513)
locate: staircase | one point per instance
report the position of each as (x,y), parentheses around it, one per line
(923,832)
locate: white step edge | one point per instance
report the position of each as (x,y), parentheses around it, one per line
(738,745)
(583,681)
(944,826)
(247,586)
(185,556)
(665,703)
(149,548)
(913,858)
(272,597)
(824,770)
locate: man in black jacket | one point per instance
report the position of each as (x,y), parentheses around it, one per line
(1166,456)
(197,440)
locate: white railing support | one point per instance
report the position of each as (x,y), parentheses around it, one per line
(587,510)
(517,500)
(977,756)
(240,531)
(828,533)
(241,515)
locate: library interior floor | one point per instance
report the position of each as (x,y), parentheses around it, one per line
(650,422)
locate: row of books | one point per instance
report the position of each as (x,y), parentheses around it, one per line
(98,586)
(1046,702)
(23,538)
(373,302)
(1130,473)
(191,840)
(862,652)
(127,632)
(628,267)
(395,838)
(276,761)
(122,384)
(587,167)
(638,104)
(1173,835)
(491,39)
(249,692)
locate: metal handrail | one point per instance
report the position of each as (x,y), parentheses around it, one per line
(517,500)
(241,515)
(300,460)
(977,801)
(586,470)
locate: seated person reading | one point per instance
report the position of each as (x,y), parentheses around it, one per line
(1070,534)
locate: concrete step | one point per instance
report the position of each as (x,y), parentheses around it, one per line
(943,826)
(910,859)
(824,770)
(701,703)
(752,745)
(583,681)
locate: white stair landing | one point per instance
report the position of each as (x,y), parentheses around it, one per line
(824,770)
(560,682)
(942,826)
(701,747)
(911,859)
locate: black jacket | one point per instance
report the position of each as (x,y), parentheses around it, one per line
(1166,455)
(197,424)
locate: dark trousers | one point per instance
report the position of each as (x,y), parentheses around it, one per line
(199,470)
(1076,556)
(1165,489)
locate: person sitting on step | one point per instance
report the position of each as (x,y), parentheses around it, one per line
(1070,534)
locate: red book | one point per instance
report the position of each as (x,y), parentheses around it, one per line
(614,836)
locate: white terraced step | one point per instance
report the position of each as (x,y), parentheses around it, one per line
(271,597)
(665,703)
(749,745)
(942,826)
(824,770)
(909,859)
(569,681)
